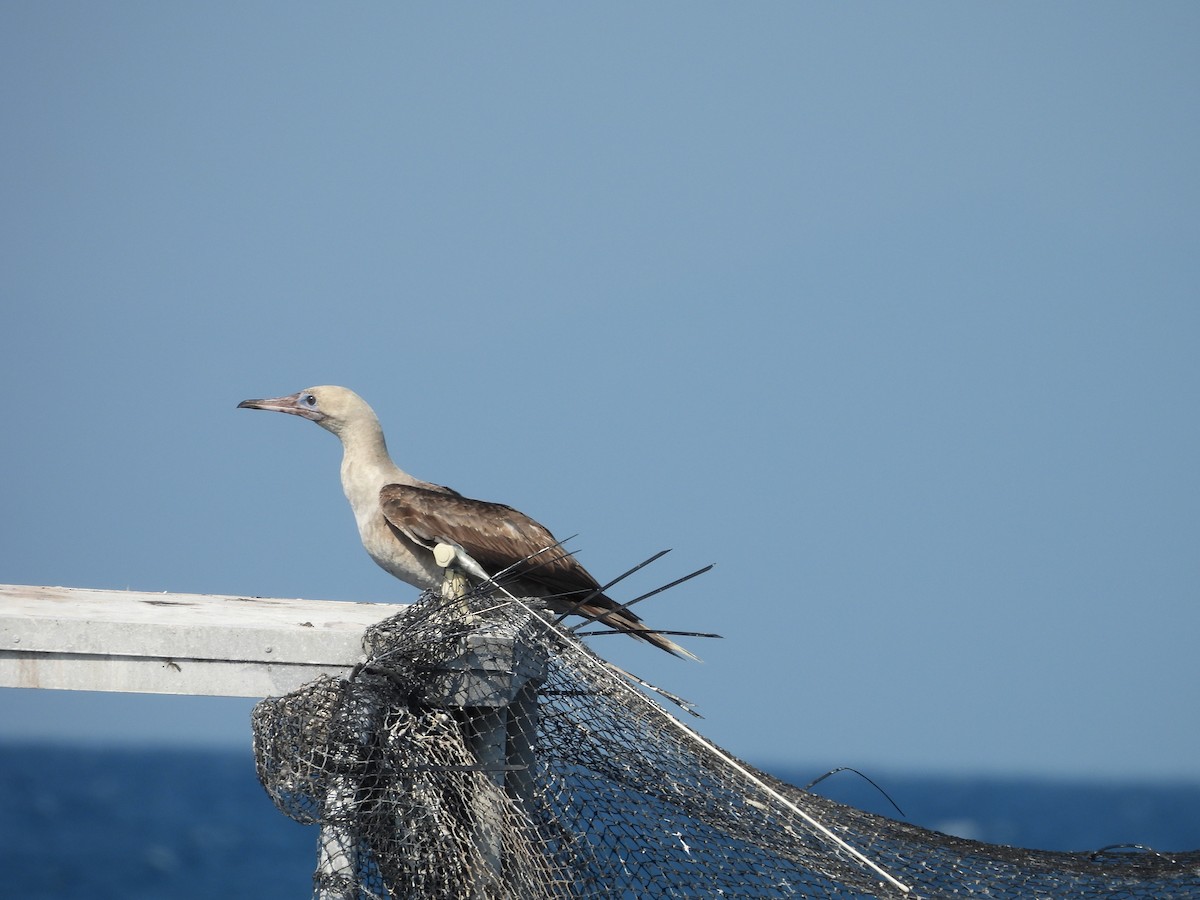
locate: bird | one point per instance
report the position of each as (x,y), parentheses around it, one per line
(413,528)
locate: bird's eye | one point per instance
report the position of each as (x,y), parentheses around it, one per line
(308,400)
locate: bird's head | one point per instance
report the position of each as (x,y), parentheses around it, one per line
(333,408)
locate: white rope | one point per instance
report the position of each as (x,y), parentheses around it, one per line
(707,745)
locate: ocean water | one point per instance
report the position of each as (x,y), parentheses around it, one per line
(99,823)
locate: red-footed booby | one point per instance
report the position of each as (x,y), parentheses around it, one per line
(403,520)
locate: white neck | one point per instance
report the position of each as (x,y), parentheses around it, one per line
(366,466)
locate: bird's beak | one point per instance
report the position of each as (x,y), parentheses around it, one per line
(290,404)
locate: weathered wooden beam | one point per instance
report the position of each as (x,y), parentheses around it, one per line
(128,641)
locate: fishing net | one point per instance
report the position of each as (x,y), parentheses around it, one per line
(481,752)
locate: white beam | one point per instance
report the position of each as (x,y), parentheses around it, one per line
(82,639)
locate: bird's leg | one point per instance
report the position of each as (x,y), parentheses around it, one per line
(454,581)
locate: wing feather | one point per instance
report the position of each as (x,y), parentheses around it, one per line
(501,538)
(494,535)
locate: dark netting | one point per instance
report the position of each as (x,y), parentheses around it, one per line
(481,753)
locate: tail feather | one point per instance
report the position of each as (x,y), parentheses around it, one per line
(623,620)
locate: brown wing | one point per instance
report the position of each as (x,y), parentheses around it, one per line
(494,535)
(501,538)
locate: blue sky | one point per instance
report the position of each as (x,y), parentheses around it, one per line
(890,312)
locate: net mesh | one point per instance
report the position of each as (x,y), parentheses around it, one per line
(481,752)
